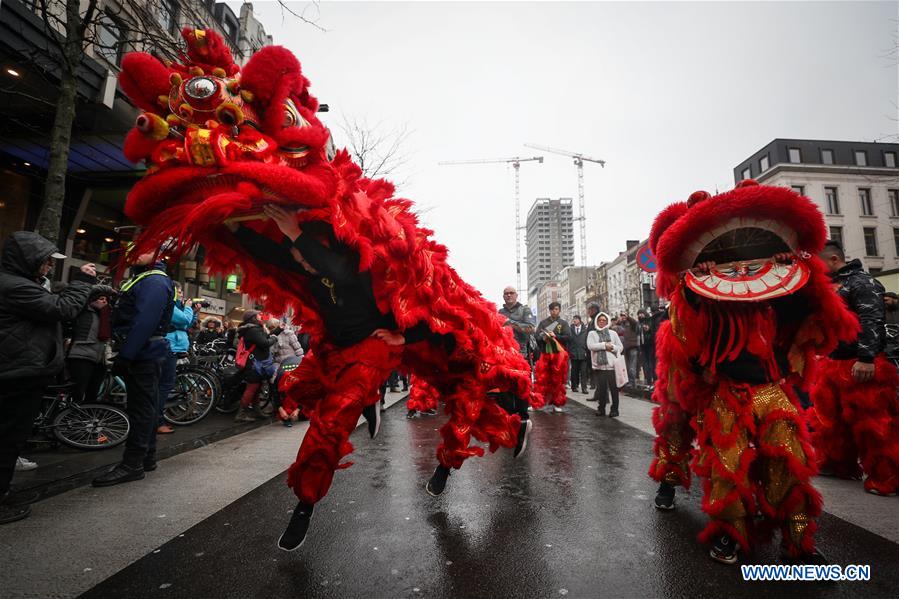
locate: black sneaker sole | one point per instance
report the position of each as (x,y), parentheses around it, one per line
(527,433)
(665,508)
(724,559)
(431,493)
(289,549)
(728,561)
(24,512)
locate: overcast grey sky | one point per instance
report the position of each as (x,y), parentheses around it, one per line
(671,95)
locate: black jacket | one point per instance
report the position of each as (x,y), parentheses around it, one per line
(344,295)
(30,316)
(562,331)
(577,347)
(255,336)
(864,296)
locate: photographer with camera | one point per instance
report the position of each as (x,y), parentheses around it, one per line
(183,317)
(31,354)
(140,322)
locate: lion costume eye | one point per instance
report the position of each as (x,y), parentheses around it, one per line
(292,116)
(200,88)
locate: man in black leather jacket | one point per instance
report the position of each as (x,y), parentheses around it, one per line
(855,418)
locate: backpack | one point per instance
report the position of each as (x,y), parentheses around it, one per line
(243,353)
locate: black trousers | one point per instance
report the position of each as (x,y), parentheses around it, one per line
(142,383)
(20,403)
(605,385)
(648,356)
(579,374)
(511,403)
(87,376)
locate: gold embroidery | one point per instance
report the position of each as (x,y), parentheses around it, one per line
(330,285)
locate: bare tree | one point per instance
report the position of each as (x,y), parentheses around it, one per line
(378,150)
(75,28)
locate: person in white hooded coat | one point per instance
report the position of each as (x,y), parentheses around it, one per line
(604,346)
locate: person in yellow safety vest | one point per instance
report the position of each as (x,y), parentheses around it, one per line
(140,322)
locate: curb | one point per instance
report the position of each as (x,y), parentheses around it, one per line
(57,487)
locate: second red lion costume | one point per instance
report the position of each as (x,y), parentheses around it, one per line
(751,305)
(221,142)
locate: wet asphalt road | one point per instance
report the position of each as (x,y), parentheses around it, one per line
(571,518)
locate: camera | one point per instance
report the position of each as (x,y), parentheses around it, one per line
(201,302)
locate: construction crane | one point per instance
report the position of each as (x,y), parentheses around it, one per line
(516,164)
(579,160)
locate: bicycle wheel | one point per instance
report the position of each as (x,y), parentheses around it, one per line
(191,399)
(113,391)
(91,426)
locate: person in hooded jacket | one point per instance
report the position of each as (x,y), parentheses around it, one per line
(90,332)
(31,355)
(210,330)
(604,345)
(260,365)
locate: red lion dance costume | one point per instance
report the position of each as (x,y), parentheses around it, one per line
(220,143)
(551,375)
(751,305)
(422,396)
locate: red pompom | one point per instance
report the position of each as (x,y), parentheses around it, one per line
(138,146)
(144,79)
(696,197)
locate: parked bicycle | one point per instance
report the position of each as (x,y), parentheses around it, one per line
(217,360)
(88,426)
(192,397)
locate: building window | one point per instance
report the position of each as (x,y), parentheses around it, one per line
(889,159)
(745,174)
(763,164)
(167,15)
(832,200)
(800,189)
(795,155)
(109,39)
(826,156)
(870,242)
(861,158)
(836,234)
(230,29)
(896,240)
(893,195)
(864,198)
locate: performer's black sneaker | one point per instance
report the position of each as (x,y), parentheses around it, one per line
(411,414)
(431,412)
(295,534)
(725,550)
(437,483)
(523,432)
(613,414)
(665,496)
(812,559)
(372,416)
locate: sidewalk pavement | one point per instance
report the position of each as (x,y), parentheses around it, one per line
(65,468)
